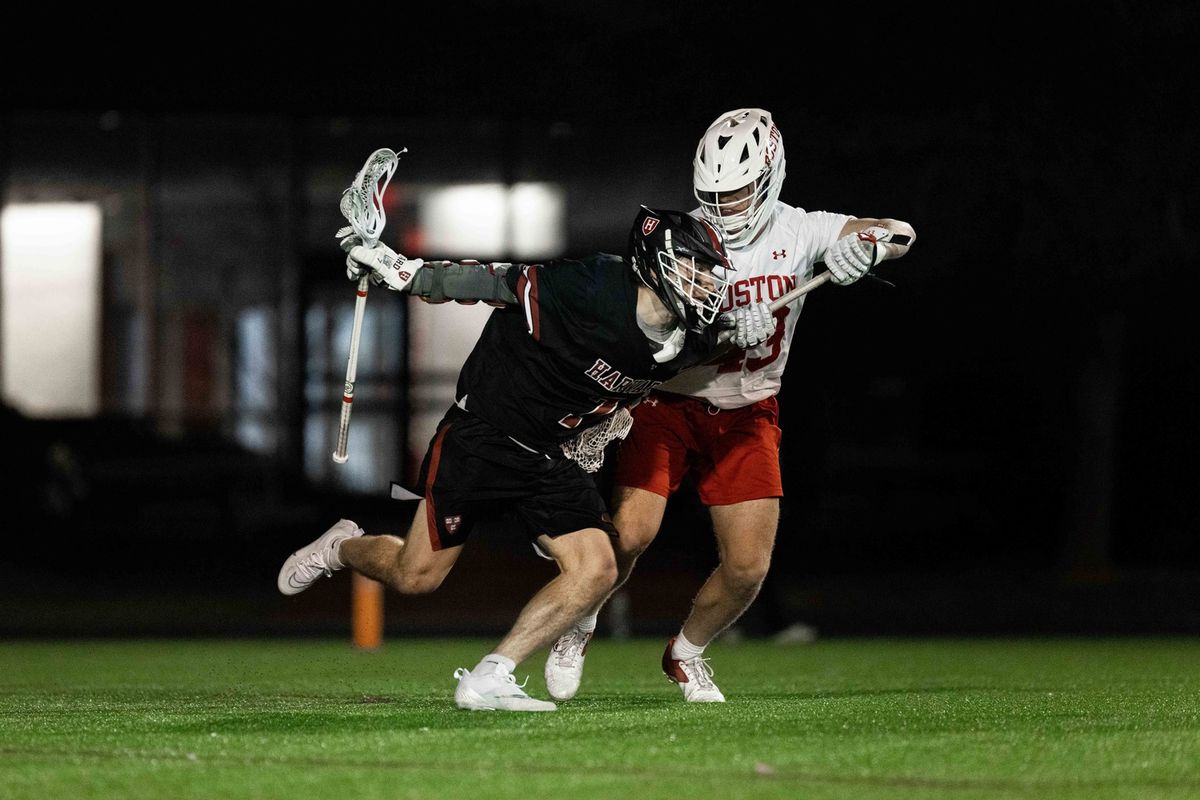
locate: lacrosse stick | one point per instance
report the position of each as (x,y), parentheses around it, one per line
(588,447)
(794,294)
(723,345)
(362,206)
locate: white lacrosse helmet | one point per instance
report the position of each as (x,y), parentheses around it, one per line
(742,149)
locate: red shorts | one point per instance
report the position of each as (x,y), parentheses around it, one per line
(734,454)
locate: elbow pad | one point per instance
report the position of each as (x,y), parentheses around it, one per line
(467,282)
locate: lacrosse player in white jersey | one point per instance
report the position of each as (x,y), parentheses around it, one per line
(720,421)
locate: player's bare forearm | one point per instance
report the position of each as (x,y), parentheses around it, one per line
(901,239)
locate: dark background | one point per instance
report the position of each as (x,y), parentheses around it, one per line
(999,439)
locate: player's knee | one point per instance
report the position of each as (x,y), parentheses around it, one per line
(599,573)
(746,573)
(415,581)
(634,538)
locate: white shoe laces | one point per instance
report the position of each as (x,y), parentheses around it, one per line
(569,647)
(315,563)
(309,568)
(698,670)
(507,677)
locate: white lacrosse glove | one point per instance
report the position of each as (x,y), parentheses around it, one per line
(752,324)
(852,256)
(385,264)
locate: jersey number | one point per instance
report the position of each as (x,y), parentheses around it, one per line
(575,420)
(733,362)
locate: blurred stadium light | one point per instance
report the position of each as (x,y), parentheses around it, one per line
(485,222)
(51,312)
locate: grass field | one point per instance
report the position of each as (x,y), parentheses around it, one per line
(854,718)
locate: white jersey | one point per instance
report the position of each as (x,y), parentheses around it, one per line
(777,261)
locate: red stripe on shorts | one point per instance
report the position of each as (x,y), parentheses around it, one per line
(430,509)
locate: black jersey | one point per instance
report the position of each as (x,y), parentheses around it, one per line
(567,354)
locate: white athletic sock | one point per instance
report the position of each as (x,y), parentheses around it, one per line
(335,557)
(335,561)
(685,650)
(587,624)
(491,661)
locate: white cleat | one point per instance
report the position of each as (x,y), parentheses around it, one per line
(310,562)
(495,691)
(694,677)
(564,665)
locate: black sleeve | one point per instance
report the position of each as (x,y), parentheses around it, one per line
(564,290)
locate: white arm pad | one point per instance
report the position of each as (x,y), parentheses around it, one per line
(891,243)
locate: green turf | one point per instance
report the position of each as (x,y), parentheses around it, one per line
(838,718)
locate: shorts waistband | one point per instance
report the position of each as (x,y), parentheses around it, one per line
(703,403)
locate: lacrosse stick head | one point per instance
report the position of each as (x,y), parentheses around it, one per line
(362,201)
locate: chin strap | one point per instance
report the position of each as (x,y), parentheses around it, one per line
(665,342)
(667,350)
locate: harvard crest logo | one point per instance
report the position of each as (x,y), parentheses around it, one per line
(452,523)
(648,225)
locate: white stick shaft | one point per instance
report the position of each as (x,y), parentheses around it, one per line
(800,290)
(339,455)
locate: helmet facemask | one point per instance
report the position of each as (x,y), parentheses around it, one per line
(698,285)
(739,214)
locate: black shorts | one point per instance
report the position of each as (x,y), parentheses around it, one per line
(473,471)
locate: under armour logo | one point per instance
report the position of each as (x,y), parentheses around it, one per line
(452,523)
(778,254)
(651,401)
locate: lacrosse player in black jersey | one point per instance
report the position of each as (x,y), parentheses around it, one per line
(571,344)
